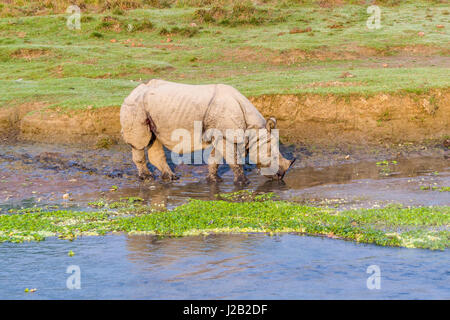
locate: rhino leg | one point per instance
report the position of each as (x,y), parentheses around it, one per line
(232,157)
(229,151)
(213,166)
(157,157)
(141,163)
(239,176)
(213,176)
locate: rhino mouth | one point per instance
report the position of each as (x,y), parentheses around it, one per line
(281,173)
(281,176)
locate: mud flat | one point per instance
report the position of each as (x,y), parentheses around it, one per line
(311,119)
(36,174)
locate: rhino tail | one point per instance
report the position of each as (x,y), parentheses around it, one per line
(151,124)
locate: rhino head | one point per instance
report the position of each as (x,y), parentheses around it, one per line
(268,157)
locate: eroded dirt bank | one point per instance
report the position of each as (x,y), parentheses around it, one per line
(325,120)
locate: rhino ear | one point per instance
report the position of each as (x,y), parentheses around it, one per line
(271,123)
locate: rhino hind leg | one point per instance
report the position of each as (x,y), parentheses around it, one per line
(213,176)
(157,157)
(141,163)
(213,167)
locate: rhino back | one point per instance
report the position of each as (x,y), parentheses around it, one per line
(252,117)
(176,106)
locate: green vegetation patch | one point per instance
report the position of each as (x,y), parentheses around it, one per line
(278,47)
(434,188)
(185,31)
(240,14)
(424,227)
(119,24)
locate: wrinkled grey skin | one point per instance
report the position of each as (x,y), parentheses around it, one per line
(154,110)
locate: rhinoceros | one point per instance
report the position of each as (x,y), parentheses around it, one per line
(154,111)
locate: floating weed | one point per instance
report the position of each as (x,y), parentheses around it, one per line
(435,188)
(131,199)
(125,205)
(423,227)
(386,163)
(246,196)
(129,204)
(424,239)
(26,210)
(101,203)
(385,167)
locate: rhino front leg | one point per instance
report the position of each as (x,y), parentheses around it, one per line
(231,153)
(157,157)
(233,156)
(239,175)
(141,163)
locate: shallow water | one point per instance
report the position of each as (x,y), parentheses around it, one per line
(214,267)
(39,174)
(220,267)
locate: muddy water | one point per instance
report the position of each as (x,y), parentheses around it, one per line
(39,174)
(215,267)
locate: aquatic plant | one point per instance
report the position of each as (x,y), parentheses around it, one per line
(385,169)
(422,227)
(434,188)
(245,196)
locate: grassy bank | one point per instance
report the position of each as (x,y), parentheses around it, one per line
(274,47)
(425,227)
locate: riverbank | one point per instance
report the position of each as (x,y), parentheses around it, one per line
(310,119)
(316,66)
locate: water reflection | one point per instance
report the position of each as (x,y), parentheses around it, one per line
(221,256)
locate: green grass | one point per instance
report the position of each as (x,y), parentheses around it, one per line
(79,92)
(80,68)
(423,227)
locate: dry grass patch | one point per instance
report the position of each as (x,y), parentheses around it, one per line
(30,54)
(241,13)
